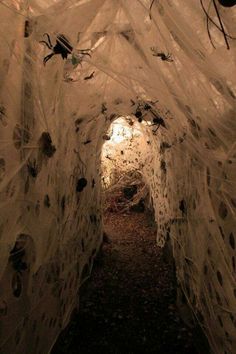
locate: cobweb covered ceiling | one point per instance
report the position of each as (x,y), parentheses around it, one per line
(170,65)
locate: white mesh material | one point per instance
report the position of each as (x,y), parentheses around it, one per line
(52,121)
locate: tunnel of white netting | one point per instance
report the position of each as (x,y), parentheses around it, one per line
(69,69)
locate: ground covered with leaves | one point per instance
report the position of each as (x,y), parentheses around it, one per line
(128,304)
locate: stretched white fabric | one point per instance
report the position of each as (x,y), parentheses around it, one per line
(53,118)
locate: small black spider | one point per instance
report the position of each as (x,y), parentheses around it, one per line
(62,47)
(159,121)
(163,56)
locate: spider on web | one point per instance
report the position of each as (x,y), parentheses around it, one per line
(163,56)
(62,47)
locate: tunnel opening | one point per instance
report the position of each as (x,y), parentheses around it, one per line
(123,159)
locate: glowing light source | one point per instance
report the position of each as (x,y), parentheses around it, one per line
(120,131)
(125,137)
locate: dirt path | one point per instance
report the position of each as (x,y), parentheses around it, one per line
(129,304)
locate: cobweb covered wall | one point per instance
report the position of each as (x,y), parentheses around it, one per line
(53,118)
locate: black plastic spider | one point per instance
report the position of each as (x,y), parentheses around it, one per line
(62,47)
(164,57)
(158,121)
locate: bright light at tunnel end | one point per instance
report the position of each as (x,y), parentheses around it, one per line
(120,131)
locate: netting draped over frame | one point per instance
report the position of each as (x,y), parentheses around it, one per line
(124,60)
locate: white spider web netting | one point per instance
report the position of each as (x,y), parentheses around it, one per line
(52,121)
